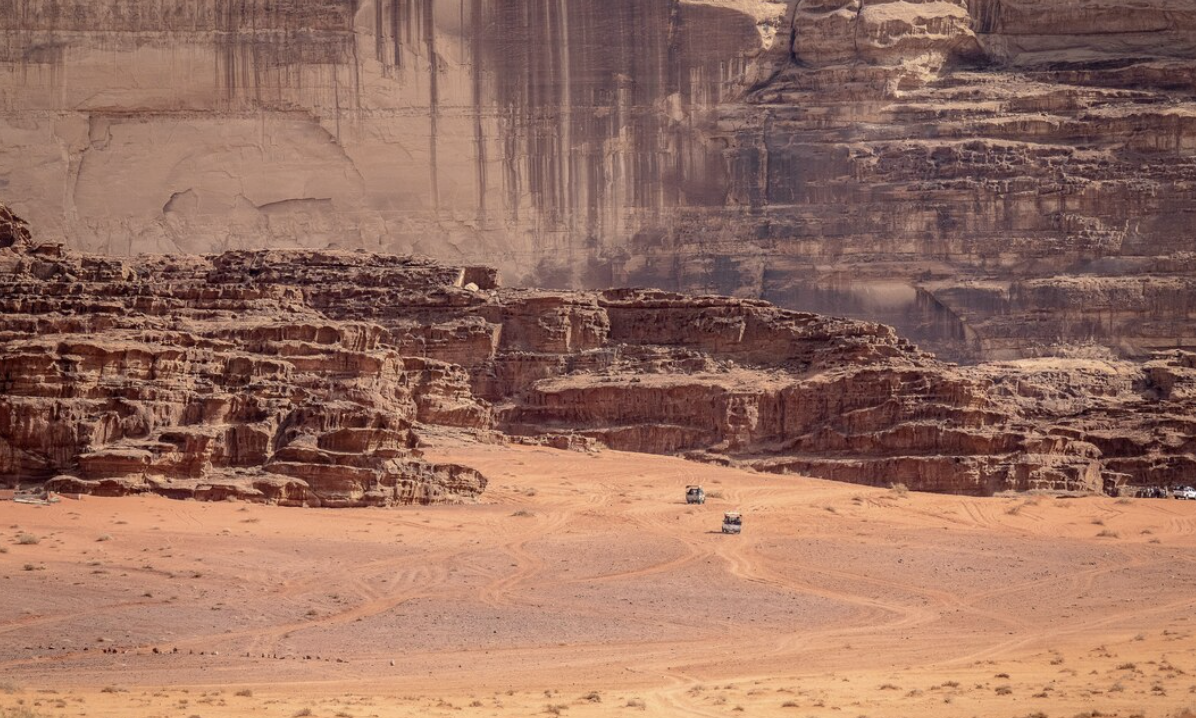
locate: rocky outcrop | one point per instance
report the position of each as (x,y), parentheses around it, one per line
(997,179)
(955,168)
(214,377)
(312,377)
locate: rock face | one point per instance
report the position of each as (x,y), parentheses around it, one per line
(463,129)
(996,178)
(208,378)
(309,377)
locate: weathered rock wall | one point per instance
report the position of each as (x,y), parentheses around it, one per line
(957,168)
(312,377)
(191,377)
(931,165)
(519,133)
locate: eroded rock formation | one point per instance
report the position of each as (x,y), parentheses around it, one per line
(996,178)
(215,377)
(310,377)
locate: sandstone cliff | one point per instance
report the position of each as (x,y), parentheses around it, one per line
(311,377)
(996,178)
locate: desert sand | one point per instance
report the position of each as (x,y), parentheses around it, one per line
(583,585)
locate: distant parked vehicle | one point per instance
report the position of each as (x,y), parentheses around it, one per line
(732,523)
(1186,492)
(695,495)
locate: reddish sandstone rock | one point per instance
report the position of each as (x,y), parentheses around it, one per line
(312,378)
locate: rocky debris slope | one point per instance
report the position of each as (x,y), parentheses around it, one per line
(309,377)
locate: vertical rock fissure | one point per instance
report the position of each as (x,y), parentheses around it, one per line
(477,87)
(429,28)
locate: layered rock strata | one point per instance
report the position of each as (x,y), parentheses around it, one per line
(310,377)
(205,378)
(998,179)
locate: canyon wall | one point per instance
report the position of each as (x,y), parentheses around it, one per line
(313,377)
(996,178)
(532,134)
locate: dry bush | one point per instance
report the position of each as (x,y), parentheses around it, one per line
(899,490)
(1108,534)
(21,712)
(27,539)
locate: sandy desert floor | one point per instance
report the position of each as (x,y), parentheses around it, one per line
(585,586)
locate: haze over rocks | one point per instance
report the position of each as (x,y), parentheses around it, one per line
(313,377)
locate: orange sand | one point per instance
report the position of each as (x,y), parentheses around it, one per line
(584,586)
